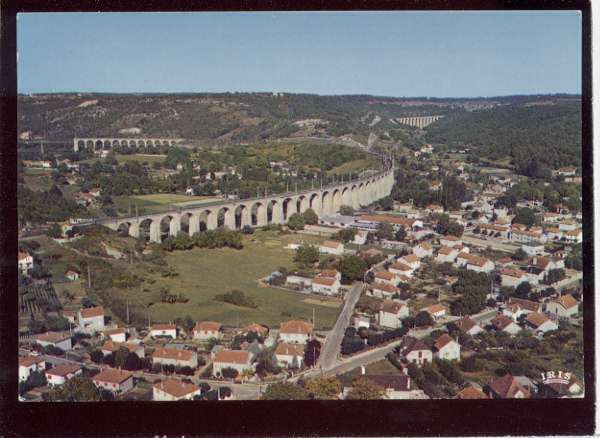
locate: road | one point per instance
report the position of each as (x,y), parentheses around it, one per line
(333,341)
(493,243)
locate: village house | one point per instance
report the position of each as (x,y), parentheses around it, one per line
(436,311)
(501,231)
(566,171)
(446,255)
(174,390)
(61,373)
(91,319)
(332,247)
(526,236)
(70,315)
(506,387)
(423,250)
(362,321)
(546,264)
(386,277)
(540,323)
(533,248)
(512,277)
(396,222)
(391,314)
(260,330)
(415,351)
(434,208)
(462,259)
(480,264)
(564,307)
(330,273)
(446,348)
(396,387)
(110,347)
(360,238)
(205,330)
(513,311)
(115,335)
(504,323)
(411,260)
(398,269)
(239,360)
(290,355)
(163,330)
(450,241)
(30,364)
(295,331)
(325,285)
(468,326)
(55,339)
(113,380)
(527,306)
(25,262)
(175,356)
(72,275)
(383,290)
(574,236)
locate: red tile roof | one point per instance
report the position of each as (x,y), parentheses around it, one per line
(210,326)
(536,319)
(500,322)
(388,219)
(290,349)
(176,388)
(92,312)
(507,387)
(471,393)
(442,341)
(296,326)
(52,337)
(112,375)
(328,273)
(64,369)
(172,353)
(567,301)
(326,281)
(385,287)
(384,275)
(232,356)
(27,361)
(532,306)
(390,306)
(163,327)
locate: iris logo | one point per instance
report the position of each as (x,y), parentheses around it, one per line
(556,377)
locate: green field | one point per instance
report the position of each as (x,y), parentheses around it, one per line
(204,273)
(141,158)
(382,367)
(353,166)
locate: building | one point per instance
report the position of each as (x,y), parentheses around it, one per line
(360,238)
(206,330)
(295,331)
(540,323)
(533,248)
(506,387)
(391,314)
(325,285)
(450,241)
(91,319)
(110,347)
(386,277)
(330,273)
(113,380)
(239,360)
(411,260)
(260,330)
(446,255)
(55,339)
(505,324)
(25,262)
(332,247)
(423,250)
(61,373)
(512,277)
(384,290)
(468,326)
(436,311)
(164,330)
(415,351)
(480,264)
(290,355)
(396,221)
(397,387)
(446,348)
(175,356)
(174,390)
(115,335)
(527,306)
(30,364)
(526,236)
(72,275)
(398,269)
(564,307)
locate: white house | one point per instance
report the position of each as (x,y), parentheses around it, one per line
(72,275)
(468,326)
(174,390)
(165,330)
(512,277)
(423,250)
(480,264)
(360,238)
(540,322)
(386,277)
(446,255)
(384,290)
(331,273)
(436,311)
(205,330)
(116,381)
(91,319)
(112,347)
(175,356)
(450,241)
(325,285)
(115,335)
(504,323)
(391,314)
(30,364)
(533,248)
(331,247)
(563,307)
(59,340)
(295,331)
(25,262)
(411,260)
(398,269)
(237,359)
(415,351)
(61,373)
(447,348)
(290,355)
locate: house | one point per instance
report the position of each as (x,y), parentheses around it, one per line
(575,236)
(290,355)
(206,330)
(495,229)
(471,393)
(564,307)
(533,248)
(116,381)
(468,326)
(411,260)
(61,373)
(446,255)
(397,387)
(391,314)
(70,315)
(505,324)
(540,323)
(95,192)
(527,306)
(480,264)
(506,387)
(174,390)
(372,252)
(559,388)
(386,277)
(115,335)
(362,321)
(175,356)
(164,330)
(72,275)
(436,311)
(25,262)
(360,238)
(110,347)
(513,311)
(526,236)
(295,331)
(546,264)
(423,250)
(260,330)
(396,221)
(55,339)
(332,247)
(566,171)
(91,319)
(414,350)
(399,268)
(325,285)
(450,241)
(30,364)
(512,277)
(237,359)
(434,208)
(462,260)
(446,348)
(384,290)
(297,282)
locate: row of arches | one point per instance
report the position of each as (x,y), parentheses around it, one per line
(256,213)
(100,144)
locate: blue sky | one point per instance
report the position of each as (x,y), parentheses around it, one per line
(436,54)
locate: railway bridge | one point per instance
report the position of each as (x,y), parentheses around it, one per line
(108,143)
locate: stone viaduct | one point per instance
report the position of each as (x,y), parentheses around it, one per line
(99,143)
(419,122)
(255,212)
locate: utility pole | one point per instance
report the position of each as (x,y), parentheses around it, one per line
(127,312)
(314,325)
(89,276)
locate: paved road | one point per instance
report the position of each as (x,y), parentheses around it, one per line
(485,315)
(493,243)
(333,341)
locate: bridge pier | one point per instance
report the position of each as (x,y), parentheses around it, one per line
(193,224)
(155,232)
(212,221)
(134,230)
(277,214)
(261,216)
(246,218)
(175,226)
(229,221)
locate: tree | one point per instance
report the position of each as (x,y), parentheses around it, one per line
(132,362)
(400,234)
(453,192)
(346,210)
(96,356)
(455,229)
(365,389)
(229,373)
(296,222)
(386,203)
(310,217)
(523,290)
(351,267)
(525,216)
(519,254)
(285,391)
(306,255)
(346,234)
(385,231)
(423,319)
(78,389)
(473,288)
(54,231)
(247,229)
(555,275)
(442,224)
(324,388)
(312,352)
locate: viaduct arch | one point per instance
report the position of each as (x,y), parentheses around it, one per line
(108,143)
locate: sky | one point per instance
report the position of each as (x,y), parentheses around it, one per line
(400,54)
